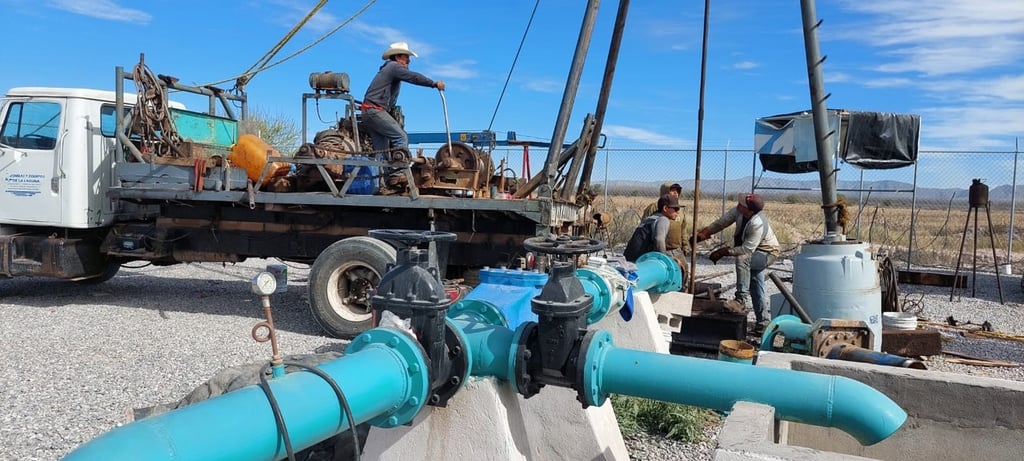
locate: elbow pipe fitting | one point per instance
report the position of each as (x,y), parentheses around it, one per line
(830,401)
(797,334)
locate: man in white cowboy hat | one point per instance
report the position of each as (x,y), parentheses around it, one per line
(382,96)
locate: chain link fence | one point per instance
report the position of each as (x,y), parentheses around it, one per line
(879,203)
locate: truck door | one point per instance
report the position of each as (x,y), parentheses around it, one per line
(30,174)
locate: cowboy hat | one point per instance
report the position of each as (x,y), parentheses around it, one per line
(398,48)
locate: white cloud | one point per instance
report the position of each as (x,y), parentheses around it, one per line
(384,36)
(973,126)
(454,70)
(837,77)
(102,9)
(544,85)
(948,37)
(745,65)
(961,57)
(888,82)
(643,136)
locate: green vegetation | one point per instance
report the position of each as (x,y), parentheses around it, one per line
(275,129)
(677,422)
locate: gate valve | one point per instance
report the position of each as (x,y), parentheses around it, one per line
(549,348)
(412,290)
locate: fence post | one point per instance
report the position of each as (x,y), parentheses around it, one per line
(1013,202)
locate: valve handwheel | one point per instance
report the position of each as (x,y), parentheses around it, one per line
(563,245)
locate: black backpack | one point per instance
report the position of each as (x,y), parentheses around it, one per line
(642,240)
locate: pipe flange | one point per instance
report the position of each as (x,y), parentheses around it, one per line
(674,280)
(461,357)
(479,311)
(602,299)
(521,379)
(409,351)
(593,348)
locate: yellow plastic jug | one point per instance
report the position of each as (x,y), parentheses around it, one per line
(251,153)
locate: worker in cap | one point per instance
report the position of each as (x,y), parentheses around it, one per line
(675,244)
(755,248)
(381,99)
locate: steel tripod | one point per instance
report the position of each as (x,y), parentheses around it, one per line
(978,194)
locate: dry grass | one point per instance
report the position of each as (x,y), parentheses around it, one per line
(937,232)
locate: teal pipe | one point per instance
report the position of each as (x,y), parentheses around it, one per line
(658,273)
(791,327)
(384,377)
(821,400)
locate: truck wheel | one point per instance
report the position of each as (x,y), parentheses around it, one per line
(110,268)
(341,281)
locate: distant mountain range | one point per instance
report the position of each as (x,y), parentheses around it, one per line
(780,187)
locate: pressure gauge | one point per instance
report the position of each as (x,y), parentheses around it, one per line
(264,284)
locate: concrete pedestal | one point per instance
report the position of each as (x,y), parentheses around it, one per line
(487,420)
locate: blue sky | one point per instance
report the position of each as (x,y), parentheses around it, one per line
(957,63)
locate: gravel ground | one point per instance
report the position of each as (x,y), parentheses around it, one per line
(79,358)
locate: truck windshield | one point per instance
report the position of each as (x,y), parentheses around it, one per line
(31,125)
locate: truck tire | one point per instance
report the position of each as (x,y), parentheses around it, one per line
(341,280)
(110,268)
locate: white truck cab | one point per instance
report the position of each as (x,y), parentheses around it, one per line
(57,157)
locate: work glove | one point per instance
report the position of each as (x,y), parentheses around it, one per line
(719,253)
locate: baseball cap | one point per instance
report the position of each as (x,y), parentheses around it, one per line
(752,202)
(668,200)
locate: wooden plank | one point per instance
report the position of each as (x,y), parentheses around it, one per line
(931,278)
(912,343)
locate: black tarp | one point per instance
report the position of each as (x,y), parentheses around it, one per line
(881,141)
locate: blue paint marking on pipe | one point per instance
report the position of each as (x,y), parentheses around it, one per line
(378,381)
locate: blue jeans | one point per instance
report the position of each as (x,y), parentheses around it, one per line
(384,129)
(750,271)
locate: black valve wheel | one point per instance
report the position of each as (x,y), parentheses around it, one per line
(412,237)
(563,245)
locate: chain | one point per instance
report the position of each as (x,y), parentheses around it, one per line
(151,117)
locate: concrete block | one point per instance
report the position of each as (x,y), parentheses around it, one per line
(487,420)
(670,308)
(642,332)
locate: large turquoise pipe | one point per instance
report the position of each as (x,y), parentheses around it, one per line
(821,400)
(385,383)
(658,273)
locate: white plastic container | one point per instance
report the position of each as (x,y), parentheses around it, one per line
(839,280)
(899,321)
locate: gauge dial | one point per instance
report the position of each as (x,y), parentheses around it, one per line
(264,284)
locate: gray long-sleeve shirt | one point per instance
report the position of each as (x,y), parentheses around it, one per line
(384,88)
(757,235)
